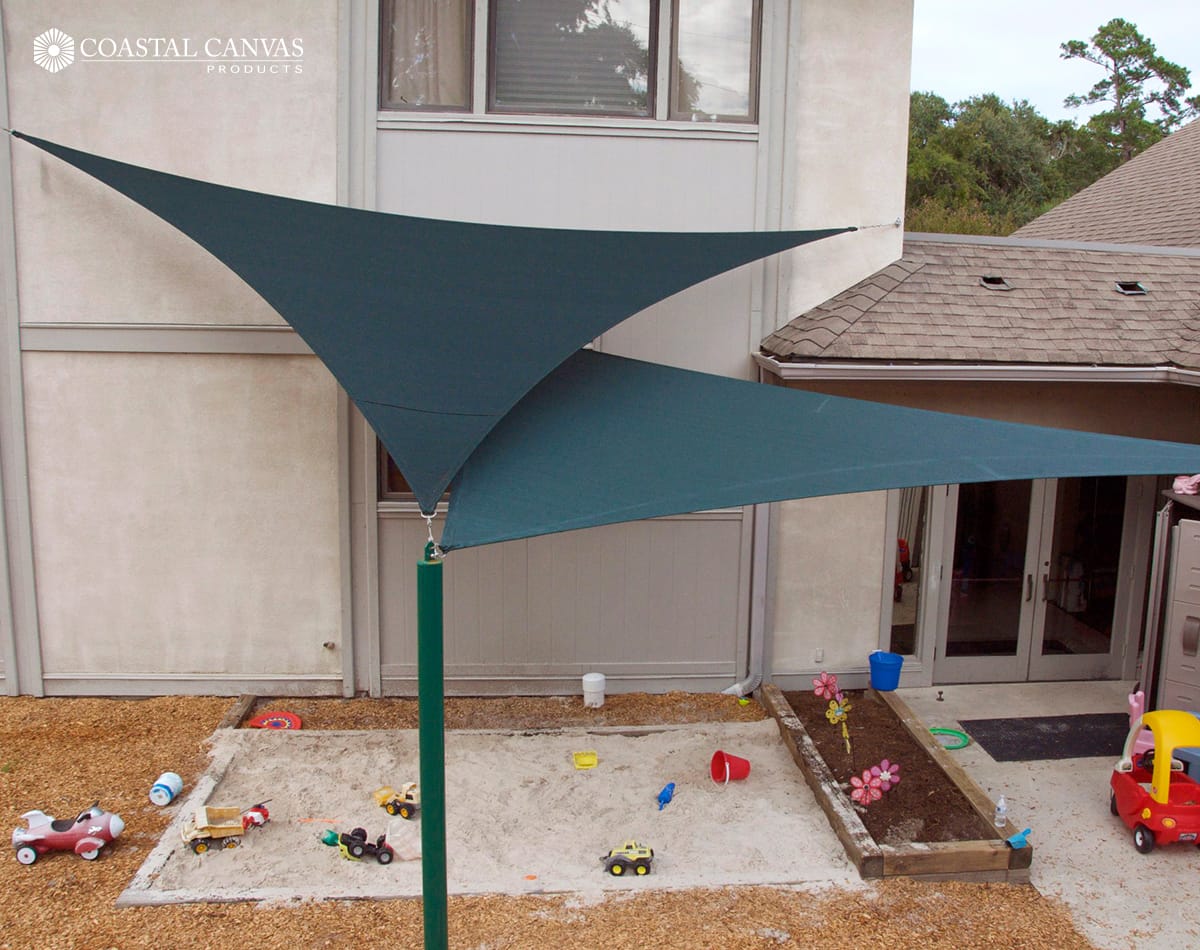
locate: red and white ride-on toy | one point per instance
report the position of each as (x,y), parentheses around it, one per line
(1151,792)
(85,834)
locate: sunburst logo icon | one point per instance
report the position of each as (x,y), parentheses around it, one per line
(53,50)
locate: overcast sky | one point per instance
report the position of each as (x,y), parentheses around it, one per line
(965,48)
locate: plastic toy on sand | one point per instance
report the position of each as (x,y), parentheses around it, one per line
(210,826)
(85,834)
(355,844)
(665,796)
(630,857)
(405,803)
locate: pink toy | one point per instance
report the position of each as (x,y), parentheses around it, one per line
(84,834)
(1137,706)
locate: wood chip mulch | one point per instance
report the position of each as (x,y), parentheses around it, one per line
(60,755)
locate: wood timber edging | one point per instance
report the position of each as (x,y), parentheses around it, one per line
(982,860)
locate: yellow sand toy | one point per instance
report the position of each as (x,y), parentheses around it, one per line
(405,803)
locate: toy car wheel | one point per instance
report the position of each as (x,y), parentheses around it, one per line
(406,812)
(229,843)
(1143,839)
(356,849)
(392,808)
(26,854)
(641,867)
(199,847)
(384,856)
(618,867)
(1112,803)
(90,855)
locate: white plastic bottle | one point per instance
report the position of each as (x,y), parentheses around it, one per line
(1001,812)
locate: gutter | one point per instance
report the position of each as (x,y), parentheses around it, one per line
(1012,372)
(755,648)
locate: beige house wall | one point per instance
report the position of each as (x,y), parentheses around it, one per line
(185,514)
(184,508)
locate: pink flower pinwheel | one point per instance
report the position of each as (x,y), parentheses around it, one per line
(888,774)
(866,789)
(826,685)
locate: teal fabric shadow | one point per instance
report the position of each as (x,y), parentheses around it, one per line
(605,439)
(434,328)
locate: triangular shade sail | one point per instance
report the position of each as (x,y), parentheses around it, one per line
(434,328)
(605,439)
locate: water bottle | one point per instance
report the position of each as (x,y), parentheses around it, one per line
(1001,812)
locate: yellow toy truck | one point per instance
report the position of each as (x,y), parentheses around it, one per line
(630,856)
(216,827)
(405,803)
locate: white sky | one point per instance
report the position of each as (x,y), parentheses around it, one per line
(964,48)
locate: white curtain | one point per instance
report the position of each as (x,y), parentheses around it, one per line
(427,54)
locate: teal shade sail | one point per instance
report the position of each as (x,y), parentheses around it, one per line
(605,439)
(434,328)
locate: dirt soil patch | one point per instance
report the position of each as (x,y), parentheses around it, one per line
(925,806)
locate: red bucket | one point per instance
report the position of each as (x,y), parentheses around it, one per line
(726,768)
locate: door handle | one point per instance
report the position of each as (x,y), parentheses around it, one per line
(1028,588)
(1045,587)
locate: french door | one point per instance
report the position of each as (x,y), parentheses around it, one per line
(1032,589)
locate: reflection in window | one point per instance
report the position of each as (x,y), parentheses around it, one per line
(426,54)
(910,537)
(714,76)
(572,56)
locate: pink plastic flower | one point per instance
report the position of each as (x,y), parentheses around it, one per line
(866,789)
(888,774)
(825,685)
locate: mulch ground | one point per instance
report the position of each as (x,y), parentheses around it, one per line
(60,755)
(924,806)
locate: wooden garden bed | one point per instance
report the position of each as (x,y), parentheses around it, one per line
(987,859)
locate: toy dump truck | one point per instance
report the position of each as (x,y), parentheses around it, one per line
(631,856)
(405,803)
(217,827)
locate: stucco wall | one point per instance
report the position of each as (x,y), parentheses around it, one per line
(846,143)
(184,508)
(185,513)
(827,557)
(90,255)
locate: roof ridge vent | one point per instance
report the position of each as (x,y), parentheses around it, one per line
(994,282)
(1131,288)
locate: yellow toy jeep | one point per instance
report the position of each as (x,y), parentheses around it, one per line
(631,856)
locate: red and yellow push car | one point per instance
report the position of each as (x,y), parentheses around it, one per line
(1151,792)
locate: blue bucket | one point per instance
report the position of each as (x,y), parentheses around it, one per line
(885,670)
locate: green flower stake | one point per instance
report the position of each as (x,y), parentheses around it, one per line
(837,713)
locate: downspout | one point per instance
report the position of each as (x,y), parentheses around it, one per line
(755,648)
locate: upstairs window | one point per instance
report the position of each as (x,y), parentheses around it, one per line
(425,60)
(714,66)
(574,57)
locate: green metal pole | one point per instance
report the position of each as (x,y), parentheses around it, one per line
(432,723)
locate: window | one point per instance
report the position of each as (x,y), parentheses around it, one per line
(574,57)
(425,60)
(714,73)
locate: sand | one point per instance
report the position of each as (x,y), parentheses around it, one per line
(520,817)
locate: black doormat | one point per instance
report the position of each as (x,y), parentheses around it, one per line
(1040,738)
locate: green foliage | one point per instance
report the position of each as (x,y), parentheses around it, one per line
(1136,78)
(983,166)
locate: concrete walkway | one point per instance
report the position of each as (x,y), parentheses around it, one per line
(1084,856)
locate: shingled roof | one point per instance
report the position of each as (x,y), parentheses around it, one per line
(1152,199)
(1061,306)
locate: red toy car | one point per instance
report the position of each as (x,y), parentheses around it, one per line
(84,834)
(1151,792)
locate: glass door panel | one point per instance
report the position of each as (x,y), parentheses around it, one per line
(1079,571)
(988,583)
